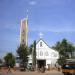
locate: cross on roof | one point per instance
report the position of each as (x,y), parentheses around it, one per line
(40,34)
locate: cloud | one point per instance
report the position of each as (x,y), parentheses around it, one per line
(9,26)
(59,2)
(48,29)
(41,34)
(32,3)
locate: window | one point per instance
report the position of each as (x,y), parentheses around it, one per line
(40,44)
(41,53)
(23,31)
(54,54)
(23,40)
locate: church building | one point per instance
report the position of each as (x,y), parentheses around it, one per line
(45,56)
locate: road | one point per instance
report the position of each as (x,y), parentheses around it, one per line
(33,73)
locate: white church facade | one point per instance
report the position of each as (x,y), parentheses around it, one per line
(44,55)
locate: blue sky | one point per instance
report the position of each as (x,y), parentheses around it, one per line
(55,19)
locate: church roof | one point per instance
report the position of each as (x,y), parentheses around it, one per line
(45,43)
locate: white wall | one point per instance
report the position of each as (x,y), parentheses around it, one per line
(45,52)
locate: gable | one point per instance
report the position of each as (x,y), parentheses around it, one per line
(43,51)
(41,44)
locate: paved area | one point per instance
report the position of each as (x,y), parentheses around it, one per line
(38,73)
(31,73)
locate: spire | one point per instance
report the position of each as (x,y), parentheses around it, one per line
(27,13)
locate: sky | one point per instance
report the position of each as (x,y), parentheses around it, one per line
(54,19)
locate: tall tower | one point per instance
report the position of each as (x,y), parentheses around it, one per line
(24,32)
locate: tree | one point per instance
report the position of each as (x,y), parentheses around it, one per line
(23,54)
(71,49)
(30,49)
(1,61)
(9,60)
(34,54)
(65,50)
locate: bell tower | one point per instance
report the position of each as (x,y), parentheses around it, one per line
(24,32)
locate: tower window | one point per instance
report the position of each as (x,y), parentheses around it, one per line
(23,31)
(23,40)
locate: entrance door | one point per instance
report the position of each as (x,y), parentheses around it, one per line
(41,63)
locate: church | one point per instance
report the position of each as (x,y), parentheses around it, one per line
(45,56)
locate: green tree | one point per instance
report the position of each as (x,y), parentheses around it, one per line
(30,49)
(65,50)
(1,61)
(71,49)
(34,54)
(9,60)
(23,54)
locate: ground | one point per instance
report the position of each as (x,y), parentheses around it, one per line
(53,72)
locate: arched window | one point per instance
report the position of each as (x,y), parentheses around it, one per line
(40,44)
(41,53)
(46,53)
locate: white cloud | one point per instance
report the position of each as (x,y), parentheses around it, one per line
(50,29)
(32,3)
(41,34)
(10,26)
